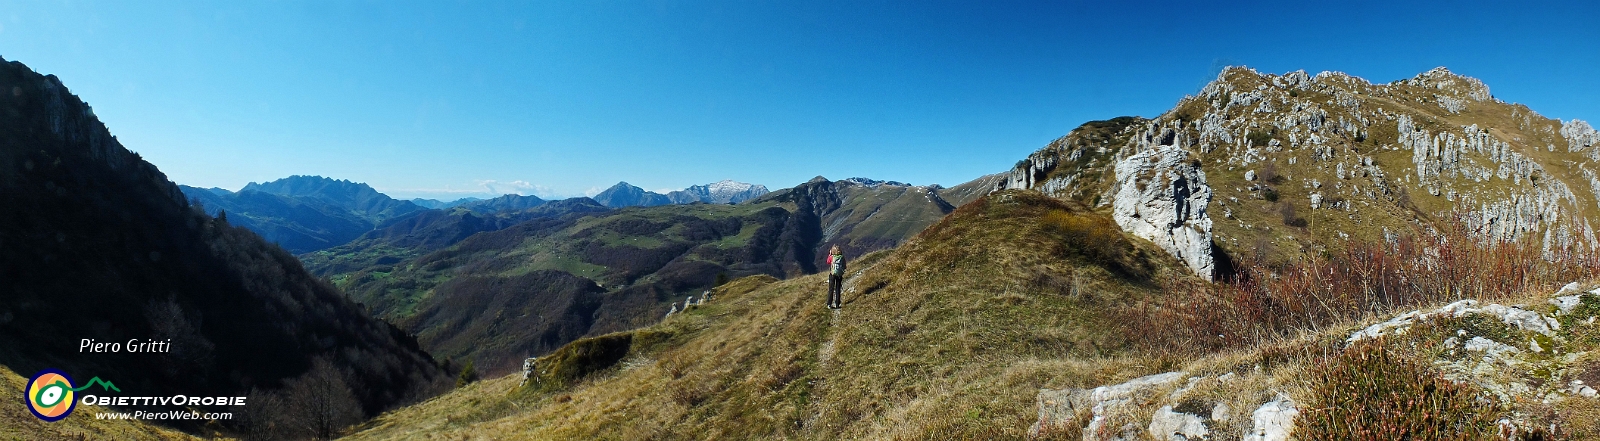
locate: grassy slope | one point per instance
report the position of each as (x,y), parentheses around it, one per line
(395,290)
(878,218)
(948,336)
(17,423)
(423,232)
(644,257)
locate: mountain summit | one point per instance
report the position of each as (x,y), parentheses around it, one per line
(720,192)
(359,198)
(626,195)
(1283,166)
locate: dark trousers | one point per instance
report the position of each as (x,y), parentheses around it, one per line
(835,288)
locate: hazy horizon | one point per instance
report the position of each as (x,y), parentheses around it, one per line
(567,99)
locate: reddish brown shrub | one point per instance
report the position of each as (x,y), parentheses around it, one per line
(1349,283)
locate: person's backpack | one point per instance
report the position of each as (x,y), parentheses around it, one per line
(838,265)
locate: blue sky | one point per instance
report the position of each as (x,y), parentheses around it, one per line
(560,98)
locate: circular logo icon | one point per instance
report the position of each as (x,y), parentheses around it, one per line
(50,395)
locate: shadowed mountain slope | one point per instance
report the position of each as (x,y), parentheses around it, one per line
(97,243)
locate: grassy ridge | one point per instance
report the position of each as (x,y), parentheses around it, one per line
(937,339)
(550,280)
(953,334)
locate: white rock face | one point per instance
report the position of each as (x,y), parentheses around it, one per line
(1060,406)
(1221,413)
(1576,387)
(1516,317)
(1274,421)
(528,367)
(1581,137)
(1107,398)
(1177,426)
(1163,198)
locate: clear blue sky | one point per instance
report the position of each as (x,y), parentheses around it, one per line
(439,99)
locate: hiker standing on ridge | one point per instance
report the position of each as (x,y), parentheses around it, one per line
(835,278)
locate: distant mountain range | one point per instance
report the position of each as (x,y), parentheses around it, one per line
(304,213)
(356,197)
(723,192)
(508,202)
(298,224)
(572,268)
(438,204)
(310,213)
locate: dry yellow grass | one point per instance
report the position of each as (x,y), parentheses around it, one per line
(946,337)
(950,336)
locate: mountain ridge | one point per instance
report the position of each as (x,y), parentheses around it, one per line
(98,243)
(1070,297)
(354,196)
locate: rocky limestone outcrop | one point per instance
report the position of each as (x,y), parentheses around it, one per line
(1169,424)
(1162,196)
(1186,411)
(1058,407)
(1421,152)
(1525,355)
(1512,355)
(1273,421)
(1581,137)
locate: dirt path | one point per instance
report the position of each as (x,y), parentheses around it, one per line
(829,348)
(825,355)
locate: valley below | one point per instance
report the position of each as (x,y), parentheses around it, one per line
(1272,258)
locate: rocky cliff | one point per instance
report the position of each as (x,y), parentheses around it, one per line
(1282,166)
(1162,196)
